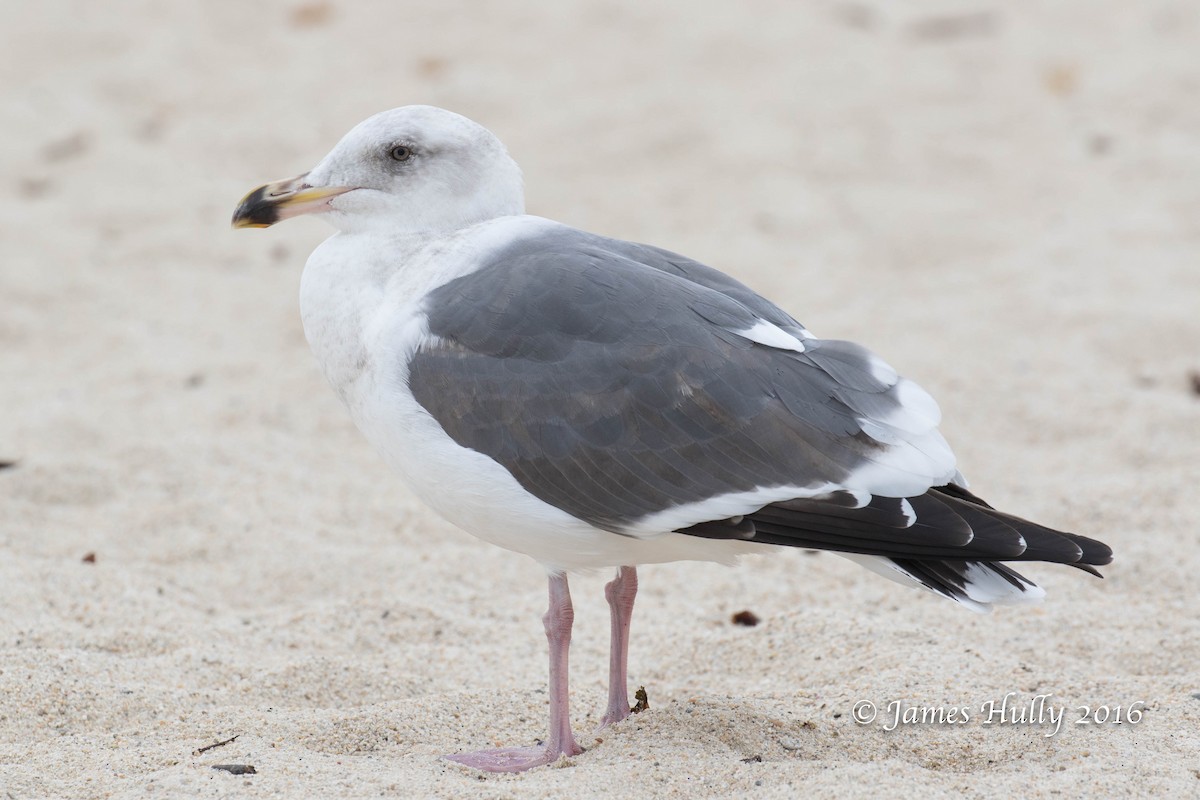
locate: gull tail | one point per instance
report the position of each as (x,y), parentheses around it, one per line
(977,585)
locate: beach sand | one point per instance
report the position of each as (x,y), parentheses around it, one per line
(196,544)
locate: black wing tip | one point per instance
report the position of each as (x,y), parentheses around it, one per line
(1089,569)
(1095,553)
(1092,552)
(835,523)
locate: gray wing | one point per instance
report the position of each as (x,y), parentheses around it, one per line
(703,275)
(616,381)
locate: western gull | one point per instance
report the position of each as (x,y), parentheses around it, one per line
(596,403)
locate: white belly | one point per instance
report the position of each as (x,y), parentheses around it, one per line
(476,493)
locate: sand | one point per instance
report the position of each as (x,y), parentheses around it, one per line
(195,543)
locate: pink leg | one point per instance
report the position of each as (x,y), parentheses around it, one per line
(561,741)
(620,593)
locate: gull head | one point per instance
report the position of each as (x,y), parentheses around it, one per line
(411,169)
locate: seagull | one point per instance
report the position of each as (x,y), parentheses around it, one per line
(596,403)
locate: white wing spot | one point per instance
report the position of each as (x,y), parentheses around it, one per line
(770,335)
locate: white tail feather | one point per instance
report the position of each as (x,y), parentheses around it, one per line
(982,584)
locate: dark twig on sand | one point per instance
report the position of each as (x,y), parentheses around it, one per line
(215,745)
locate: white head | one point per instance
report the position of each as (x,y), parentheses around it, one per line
(416,168)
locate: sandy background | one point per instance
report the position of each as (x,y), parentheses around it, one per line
(1002,199)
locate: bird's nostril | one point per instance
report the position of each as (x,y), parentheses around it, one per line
(288,188)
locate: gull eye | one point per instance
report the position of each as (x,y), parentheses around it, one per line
(401,152)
